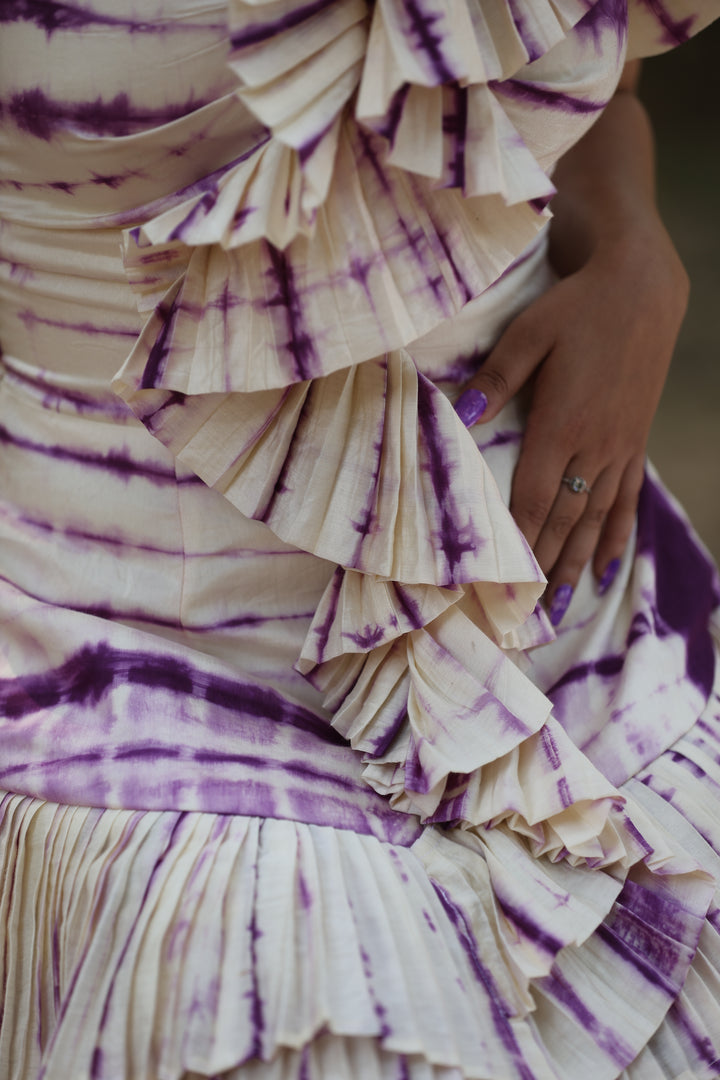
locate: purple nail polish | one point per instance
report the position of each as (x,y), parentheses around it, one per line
(471,405)
(608,576)
(560,603)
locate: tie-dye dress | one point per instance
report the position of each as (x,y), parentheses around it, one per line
(298,780)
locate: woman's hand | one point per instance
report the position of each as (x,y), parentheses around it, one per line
(594,351)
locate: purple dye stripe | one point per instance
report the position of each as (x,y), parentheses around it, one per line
(79,967)
(457,273)
(428,39)
(499,1010)
(323,630)
(96,1069)
(532,46)
(264,514)
(114,461)
(161,348)
(300,344)
(527,926)
(367,638)
(607,667)
(686,582)
(53,15)
(611,14)
(409,607)
(557,988)
(38,115)
(259,32)
(91,673)
(54,396)
(454,124)
(454,540)
(630,946)
(393,115)
(109,540)
(381,743)
(675,32)
(538,95)
(416,239)
(29,319)
(257,1015)
(364,524)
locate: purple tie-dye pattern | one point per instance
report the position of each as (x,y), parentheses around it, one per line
(415,239)
(686,582)
(161,348)
(97,1071)
(675,31)
(500,1010)
(39,115)
(116,461)
(308,793)
(257,32)
(367,638)
(454,539)
(410,608)
(604,14)
(455,126)
(323,630)
(257,1012)
(30,318)
(556,986)
(85,678)
(299,345)
(364,523)
(607,667)
(534,48)
(545,97)
(632,932)
(378,1008)
(527,925)
(53,15)
(424,31)
(393,114)
(467,292)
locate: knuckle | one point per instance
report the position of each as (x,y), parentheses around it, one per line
(535,511)
(594,517)
(495,381)
(560,525)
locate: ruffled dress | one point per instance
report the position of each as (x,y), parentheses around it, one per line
(298,781)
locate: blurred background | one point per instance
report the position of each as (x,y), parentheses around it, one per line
(681,90)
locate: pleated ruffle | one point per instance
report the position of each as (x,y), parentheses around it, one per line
(174,945)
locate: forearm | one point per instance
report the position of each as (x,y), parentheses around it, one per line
(606,188)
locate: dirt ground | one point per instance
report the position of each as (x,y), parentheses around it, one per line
(682,92)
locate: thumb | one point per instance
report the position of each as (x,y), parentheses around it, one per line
(519,351)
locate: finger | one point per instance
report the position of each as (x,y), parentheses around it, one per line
(566,513)
(537,483)
(520,350)
(581,544)
(619,524)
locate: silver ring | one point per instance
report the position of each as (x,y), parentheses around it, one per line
(577,485)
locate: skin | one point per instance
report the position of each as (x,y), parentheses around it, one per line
(594,350)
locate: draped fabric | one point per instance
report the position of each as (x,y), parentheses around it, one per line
(300,780)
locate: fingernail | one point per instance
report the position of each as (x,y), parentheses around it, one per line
(560,603)
(608,576)
(471,405)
